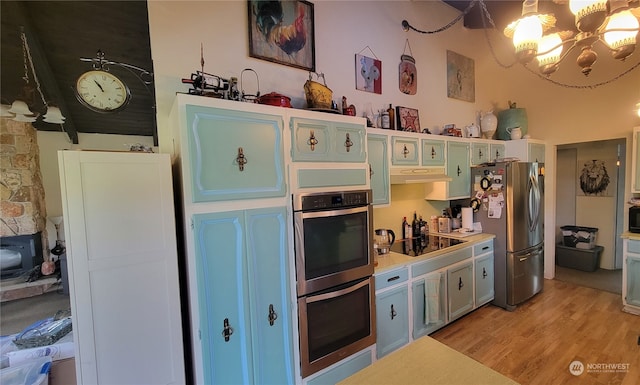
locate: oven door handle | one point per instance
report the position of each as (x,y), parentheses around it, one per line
(334,294)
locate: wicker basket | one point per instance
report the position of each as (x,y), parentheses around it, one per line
(318,95)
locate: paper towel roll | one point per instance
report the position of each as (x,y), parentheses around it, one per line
(467,218)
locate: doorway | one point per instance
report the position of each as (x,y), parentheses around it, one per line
(590,193)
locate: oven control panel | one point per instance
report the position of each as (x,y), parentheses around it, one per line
(322,201)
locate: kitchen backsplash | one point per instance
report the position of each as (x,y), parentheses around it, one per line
(405,199)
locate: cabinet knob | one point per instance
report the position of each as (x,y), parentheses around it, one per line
(393,312)
(405,151)
(272,315)
(227,330)
(241,159)
(312,140)
(433,153)
(480,153)
(348,143)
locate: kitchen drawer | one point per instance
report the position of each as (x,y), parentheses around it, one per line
(633,246)
(391,278)
(482,248)
(436,263)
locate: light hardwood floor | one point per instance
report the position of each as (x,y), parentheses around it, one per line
(536,343)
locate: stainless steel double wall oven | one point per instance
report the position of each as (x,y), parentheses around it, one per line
(334,268)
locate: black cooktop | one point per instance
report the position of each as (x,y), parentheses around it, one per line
(418,246)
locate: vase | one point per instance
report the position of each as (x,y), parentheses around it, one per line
(488,124)
(510,118)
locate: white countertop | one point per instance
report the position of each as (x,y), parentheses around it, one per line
(392,260)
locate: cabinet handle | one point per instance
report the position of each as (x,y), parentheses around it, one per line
(405,151)
(393,312)
(348,143)
(459,171)
(272,315)
(433,153)
(227,330)
(241,159)
(497,154)
(393,278)
(370,171)
(484,273)
(460,284)
(480,153)
(312,140)
(485,248)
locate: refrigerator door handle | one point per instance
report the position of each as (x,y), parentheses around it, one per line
(534,203)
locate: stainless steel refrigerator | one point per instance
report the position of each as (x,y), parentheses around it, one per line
(509,200)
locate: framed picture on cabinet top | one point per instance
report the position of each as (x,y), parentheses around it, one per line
(407,119)
(282,32)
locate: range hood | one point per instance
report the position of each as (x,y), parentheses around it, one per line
(418,175)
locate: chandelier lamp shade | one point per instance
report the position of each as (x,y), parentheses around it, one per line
(19,109)
(611,23)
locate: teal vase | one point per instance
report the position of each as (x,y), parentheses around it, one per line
(513,117)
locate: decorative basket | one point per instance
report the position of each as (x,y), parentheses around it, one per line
(45,332)
(318,95)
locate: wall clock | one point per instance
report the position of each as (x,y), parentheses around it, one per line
(102,91)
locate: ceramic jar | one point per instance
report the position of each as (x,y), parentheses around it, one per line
(488,124)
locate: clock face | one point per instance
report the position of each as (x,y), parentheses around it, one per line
(102,91)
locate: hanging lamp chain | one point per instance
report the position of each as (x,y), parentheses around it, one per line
(27,57)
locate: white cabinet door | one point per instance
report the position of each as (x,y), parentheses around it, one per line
(123,267)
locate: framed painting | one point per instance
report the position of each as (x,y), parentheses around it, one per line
(283,32)
(408,119)
(368,74)
(460,77)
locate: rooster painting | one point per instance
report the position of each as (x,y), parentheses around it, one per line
(280,31)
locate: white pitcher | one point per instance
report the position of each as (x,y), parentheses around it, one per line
(515,132)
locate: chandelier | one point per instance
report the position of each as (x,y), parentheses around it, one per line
(611,23)
(19,109)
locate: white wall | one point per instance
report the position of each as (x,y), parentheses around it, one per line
(557,114)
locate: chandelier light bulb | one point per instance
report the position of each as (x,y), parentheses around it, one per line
(590,14)
(526,36)
(54,115)
(25,118)
(615,37)
(19,107)
(548,55)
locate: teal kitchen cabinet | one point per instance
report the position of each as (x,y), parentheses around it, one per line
(632,288)
(379,168)
(631,276)
(458,168)
(233,154)
(480,153)
(327,141)
(484,280)
(496,151)
(404,151)
(433,152)
(460,290)
(484,274)
(428,297)
(392,311)
(245,328)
